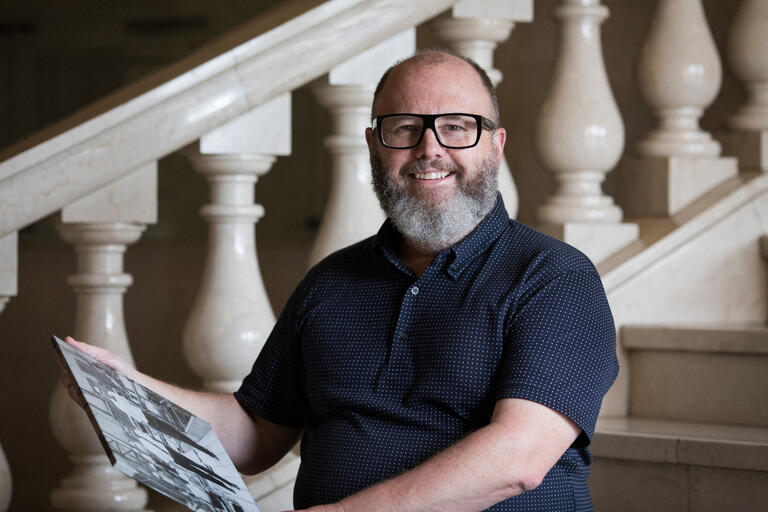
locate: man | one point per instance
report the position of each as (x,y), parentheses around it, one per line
(456,360)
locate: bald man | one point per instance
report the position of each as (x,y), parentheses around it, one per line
(455,361)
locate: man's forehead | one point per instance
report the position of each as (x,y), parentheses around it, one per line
(434,85)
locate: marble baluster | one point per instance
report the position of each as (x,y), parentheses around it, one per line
(748,127)
(580,137)
(474,28)
(231,316)
(352,211)
(100,227)
(679,75)
(8,289)
(99,285)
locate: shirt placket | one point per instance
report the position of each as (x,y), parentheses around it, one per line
(398,368)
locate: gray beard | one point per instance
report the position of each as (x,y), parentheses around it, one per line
(427,222)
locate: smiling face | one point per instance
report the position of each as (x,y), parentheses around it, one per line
(435,196)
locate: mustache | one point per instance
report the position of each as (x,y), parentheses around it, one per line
(423,165)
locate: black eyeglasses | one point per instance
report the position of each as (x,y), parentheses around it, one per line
(453,131)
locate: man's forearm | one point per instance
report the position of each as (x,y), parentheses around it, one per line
(471,475)
(509,456)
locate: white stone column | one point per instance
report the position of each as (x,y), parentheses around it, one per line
(580,137)
(748,57)
(100,226)
(474,28)
(679,76)
(352,211)
(8,289)
(232,317)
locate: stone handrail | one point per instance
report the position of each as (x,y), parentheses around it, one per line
(206,90)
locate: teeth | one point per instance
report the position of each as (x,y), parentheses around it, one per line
(430,175)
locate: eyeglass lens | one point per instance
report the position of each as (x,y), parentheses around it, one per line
(453,130)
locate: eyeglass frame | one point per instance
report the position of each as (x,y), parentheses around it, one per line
(483,123)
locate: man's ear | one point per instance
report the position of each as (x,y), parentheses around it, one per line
(368,135)
(499,139)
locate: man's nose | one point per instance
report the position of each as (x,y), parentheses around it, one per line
(429,147)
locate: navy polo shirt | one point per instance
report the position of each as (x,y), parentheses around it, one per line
(383,368)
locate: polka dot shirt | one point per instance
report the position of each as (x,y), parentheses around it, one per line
(383,368)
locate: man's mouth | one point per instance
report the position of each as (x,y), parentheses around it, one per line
(431,175)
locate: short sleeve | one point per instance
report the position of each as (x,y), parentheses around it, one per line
(273,389)
(560,347)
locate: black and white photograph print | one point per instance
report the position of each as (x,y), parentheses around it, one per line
(155,441)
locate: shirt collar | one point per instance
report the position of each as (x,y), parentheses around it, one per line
(484,234)
(388,241)
(461,254)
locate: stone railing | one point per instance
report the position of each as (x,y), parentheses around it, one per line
(100,171)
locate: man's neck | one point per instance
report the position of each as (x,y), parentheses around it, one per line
(416,259)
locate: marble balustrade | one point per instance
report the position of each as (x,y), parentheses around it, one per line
(579,136)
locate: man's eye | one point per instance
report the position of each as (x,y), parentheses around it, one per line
(406,128)
(453,129)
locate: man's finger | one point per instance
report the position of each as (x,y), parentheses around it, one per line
(101,354)
(98,353)
(85,347)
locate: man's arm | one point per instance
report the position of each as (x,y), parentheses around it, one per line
(507,457)
(254,444)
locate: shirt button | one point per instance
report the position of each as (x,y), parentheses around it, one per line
(415,290)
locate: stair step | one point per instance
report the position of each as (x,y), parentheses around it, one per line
(710,374)
(643,464)
(673,442)
(732,339)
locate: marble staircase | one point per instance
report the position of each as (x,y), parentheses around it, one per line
(697,423)
(696,436)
